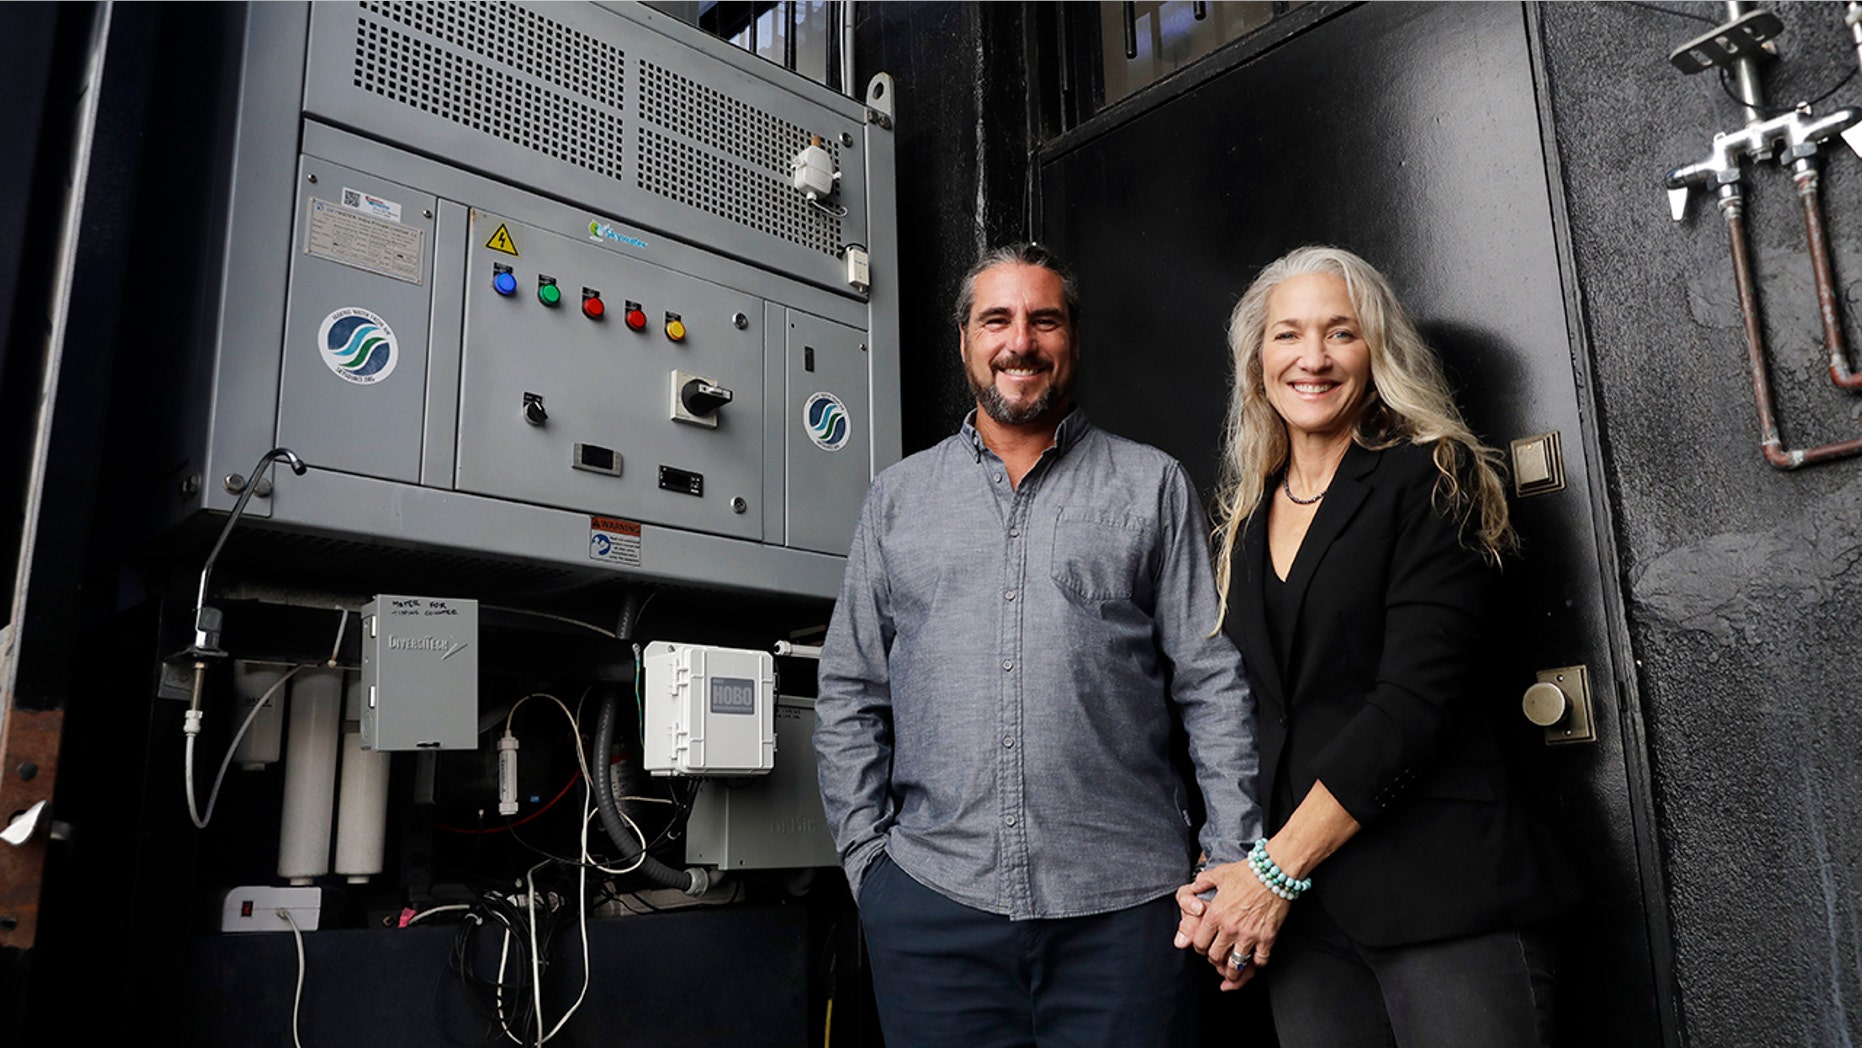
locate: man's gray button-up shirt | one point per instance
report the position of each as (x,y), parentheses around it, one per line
(1069,617)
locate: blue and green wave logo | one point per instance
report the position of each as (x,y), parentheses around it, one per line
(825,419)
(357,345)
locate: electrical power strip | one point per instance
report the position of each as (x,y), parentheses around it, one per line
(254,908)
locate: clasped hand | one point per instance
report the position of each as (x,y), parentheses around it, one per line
(1241,916)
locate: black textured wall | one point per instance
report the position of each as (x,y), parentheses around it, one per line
(1743,598)
(963,176)
(1424,154)
(1741,582)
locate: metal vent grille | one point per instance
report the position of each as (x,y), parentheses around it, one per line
(519,38)
(749,182)
(411,70)
(729,125)
(730,190)
(509,71)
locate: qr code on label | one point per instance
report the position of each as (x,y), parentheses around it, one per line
(351,198)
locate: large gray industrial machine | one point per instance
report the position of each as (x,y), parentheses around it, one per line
(547,293)
(553,310)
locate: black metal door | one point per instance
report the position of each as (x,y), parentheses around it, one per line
(1411,134)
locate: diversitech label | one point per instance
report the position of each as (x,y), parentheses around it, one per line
(824,418)
(358,346)
(447,648)
(599,230)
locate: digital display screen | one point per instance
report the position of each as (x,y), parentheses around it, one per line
(596,459)
(683,481)
(733,695)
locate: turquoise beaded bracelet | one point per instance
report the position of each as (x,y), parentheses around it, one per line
(1271,875)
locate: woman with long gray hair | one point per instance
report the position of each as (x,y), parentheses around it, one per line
(1401,888)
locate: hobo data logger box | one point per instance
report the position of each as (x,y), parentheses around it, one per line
(420,673)
(709,711)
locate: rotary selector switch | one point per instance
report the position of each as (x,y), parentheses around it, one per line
(703,398)
(696,399)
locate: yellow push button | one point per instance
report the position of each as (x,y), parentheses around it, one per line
(675,328)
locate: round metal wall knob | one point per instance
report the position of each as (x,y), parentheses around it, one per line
(1545,705)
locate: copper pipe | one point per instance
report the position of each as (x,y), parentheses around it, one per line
(1732,206)
(1828,301)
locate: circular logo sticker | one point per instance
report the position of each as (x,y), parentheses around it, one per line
(358,346)
(825,419)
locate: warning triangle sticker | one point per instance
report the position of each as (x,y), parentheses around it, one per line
(501,241)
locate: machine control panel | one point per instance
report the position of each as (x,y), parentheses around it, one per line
(691,395)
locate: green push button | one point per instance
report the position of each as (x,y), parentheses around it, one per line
(548,293)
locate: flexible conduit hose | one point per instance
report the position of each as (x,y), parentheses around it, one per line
(694,881)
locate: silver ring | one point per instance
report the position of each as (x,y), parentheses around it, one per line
(1238,960)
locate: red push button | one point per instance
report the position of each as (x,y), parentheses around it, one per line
(592,306)
(636,317)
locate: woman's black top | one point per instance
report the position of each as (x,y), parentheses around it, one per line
(1373,672)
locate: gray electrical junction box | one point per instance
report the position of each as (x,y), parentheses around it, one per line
(773,821)
(419,673)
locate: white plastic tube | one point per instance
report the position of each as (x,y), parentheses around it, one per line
(310,775)
(362,797)
(260,744)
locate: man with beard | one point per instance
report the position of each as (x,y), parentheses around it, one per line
(1028,614)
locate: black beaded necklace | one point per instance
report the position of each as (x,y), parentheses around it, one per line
(1287,487)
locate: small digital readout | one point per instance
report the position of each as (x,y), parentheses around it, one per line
(733,695)
(596,459)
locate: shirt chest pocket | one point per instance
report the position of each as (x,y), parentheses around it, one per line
(1102,556)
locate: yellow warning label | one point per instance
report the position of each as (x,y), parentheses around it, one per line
(501,241)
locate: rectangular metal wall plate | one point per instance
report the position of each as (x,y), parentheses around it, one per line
(1580,723)
(1725,44)
(1538,465)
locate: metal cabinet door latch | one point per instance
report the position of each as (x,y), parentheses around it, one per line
(1560,703)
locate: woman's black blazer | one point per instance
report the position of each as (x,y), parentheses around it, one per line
(1386,693)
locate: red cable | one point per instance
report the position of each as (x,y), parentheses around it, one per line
(564,792)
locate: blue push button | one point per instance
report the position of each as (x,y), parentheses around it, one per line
(504,283)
